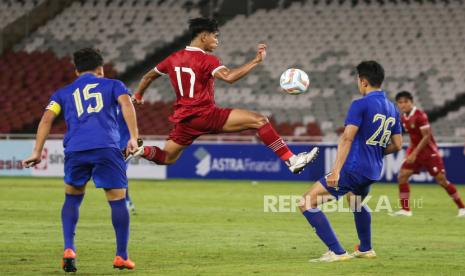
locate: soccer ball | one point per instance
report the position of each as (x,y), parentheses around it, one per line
(294,81)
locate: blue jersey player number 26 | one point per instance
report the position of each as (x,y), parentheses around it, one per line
(372,130)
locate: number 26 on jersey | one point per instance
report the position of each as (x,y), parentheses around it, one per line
(385,127)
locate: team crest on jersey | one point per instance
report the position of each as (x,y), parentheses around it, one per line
(412,126)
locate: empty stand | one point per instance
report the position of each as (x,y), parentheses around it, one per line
(125,31)
(10,10)
(26,83)
(420,44)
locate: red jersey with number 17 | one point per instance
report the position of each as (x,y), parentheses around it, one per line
(413,123)
(191,73)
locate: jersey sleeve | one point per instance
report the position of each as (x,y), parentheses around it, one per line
(355,114)
(213,65)
(162,68)
(119,89)
(422,121)
(54,104)
(397,127)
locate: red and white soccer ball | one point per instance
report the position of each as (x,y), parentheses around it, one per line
(294,81)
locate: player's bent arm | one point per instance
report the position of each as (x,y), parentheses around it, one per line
(43,131)
(426,137)
(233,75)
(395,145)
(145,82)
(129,115)
(343,148)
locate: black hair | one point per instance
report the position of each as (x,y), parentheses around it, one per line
(202,24)
(404,94)
(372,71)
(87,59)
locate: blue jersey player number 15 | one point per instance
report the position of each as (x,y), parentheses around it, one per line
(92,148)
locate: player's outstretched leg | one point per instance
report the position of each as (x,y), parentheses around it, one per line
(120,220)
(166,156)
(362,218)
(452,192)
(69,219)
(404,194)
(239,120)
(295,163)
(140,151)
(319,221)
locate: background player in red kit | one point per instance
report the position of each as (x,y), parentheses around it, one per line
(422,153)
(192,72)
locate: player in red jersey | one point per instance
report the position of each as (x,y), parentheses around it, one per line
(192,72)
(422,153)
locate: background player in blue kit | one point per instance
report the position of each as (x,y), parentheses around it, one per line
(92,148)
(372,130)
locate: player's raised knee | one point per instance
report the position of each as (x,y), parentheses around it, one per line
(260,120)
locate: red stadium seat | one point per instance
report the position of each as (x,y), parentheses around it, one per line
(26,83)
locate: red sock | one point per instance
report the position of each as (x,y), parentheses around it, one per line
(155,154)
(404,195)
(452,191)
(271,139)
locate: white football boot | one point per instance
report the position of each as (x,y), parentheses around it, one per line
(138,152)
(370,254)
(401,213)
(461,213)
(330,257)
(297,163)
(130,205)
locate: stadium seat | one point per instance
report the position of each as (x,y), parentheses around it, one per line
(27,82)
(125,31)
(10,10)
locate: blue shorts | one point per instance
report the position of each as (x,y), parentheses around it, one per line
(349,182)
(106,166)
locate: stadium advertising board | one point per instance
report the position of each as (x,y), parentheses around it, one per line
(256,162)
(220,161)
(237,161)
(11,154)
(13,151)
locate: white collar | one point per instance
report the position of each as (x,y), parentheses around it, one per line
(412,112)
(190,48)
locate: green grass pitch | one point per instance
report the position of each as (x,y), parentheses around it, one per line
(187,227)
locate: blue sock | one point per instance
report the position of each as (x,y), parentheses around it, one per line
(363,225)
(69,218)
(120,220)
(318,220)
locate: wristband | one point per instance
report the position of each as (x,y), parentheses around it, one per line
(138,96)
